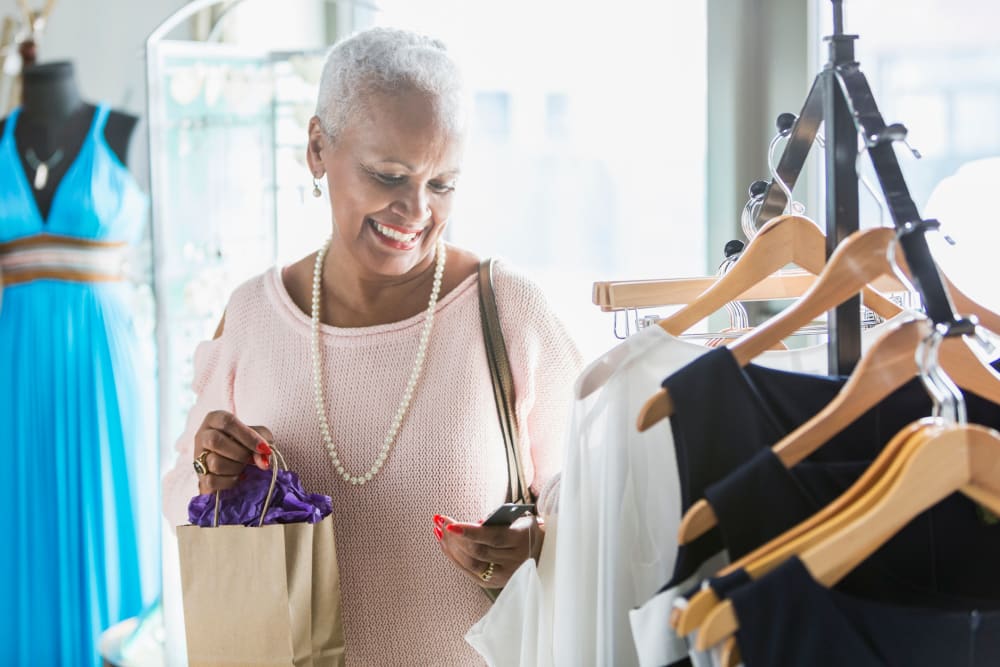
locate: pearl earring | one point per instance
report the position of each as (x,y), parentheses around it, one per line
(316,191)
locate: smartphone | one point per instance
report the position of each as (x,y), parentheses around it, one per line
(507,513)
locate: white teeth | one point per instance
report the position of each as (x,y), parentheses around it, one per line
(393,234)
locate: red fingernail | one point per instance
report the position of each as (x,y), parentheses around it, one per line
(452,528)
(438,534)
(267,462)
(438,519)
(264,449)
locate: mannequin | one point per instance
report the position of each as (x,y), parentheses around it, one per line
(53,125)
(76,388)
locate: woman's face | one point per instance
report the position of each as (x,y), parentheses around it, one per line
(391,176)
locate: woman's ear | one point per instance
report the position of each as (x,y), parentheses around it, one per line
(317,142)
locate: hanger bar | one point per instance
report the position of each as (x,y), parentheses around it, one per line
(901,207)
(926,276)
(625,294)
(842,205)
(678,291)
(793,157)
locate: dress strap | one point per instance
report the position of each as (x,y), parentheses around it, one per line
(100,120)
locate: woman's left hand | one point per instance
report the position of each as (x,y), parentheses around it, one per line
(489,554)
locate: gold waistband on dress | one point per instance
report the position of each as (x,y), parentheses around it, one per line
(48,256)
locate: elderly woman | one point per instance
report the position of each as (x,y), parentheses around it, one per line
(364,364)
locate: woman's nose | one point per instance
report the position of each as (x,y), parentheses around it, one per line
(413,205)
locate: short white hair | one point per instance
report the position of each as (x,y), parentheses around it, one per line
(386,60)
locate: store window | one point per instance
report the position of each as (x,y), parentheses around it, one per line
(588,149)
(934,67)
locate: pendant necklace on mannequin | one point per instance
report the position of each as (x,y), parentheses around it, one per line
(404,404)
(42,167)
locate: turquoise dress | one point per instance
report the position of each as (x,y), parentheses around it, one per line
(80,529)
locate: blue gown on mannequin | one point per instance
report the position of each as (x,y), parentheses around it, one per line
(79,470)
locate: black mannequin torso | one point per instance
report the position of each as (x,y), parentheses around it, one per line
(53,118)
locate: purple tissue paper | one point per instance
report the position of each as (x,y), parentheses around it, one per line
(241,505)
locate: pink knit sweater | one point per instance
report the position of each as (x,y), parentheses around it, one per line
(404,601)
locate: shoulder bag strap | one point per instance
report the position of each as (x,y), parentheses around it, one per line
(503,383)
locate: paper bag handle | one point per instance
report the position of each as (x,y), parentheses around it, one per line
(267,499)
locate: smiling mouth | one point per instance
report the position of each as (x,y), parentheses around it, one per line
(406,238)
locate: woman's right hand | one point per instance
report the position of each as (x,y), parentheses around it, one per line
(231,446)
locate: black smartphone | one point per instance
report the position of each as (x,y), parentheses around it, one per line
(507,514)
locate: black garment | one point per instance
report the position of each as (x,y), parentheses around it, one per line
(725,416)
(787,618)
(931,555)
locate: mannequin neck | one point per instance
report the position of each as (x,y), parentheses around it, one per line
(49,93)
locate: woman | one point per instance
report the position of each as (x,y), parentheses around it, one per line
(394,418)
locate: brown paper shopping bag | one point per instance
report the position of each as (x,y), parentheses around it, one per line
(261,595)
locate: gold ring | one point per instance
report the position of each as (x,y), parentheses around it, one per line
(200,465)
(487,574)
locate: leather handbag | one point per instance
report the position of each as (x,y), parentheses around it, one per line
(518,490)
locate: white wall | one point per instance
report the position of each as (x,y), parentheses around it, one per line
(106,39)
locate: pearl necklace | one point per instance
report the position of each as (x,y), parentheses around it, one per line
(404,404)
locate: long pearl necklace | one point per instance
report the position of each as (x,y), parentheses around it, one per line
(404,404)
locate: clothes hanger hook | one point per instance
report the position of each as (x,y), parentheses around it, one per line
(739,319)
(615,325)
(784,123)
(774,173)
(748,216)
(956,397)
(879,200)
(949,402)
(937,393)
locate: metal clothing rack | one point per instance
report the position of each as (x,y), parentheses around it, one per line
(842,100)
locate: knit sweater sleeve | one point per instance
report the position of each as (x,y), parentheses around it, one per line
(544,362)
(214,374)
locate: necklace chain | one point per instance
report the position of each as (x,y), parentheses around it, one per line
(404,404)
(35,162)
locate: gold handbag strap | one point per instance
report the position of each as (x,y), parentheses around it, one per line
(503,383)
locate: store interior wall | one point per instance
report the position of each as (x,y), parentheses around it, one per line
(106,41)
(758,67)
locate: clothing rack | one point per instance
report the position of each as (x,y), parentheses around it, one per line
(841,98)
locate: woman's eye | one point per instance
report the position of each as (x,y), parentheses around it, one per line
(441,188)
(389,179)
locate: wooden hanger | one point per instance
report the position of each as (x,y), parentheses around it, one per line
(784,240)
(780,548)
(796,539)
(965,305)
(730,656)
(856,262)
(887,366)
(699,608)
(612,295)
(935,462)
